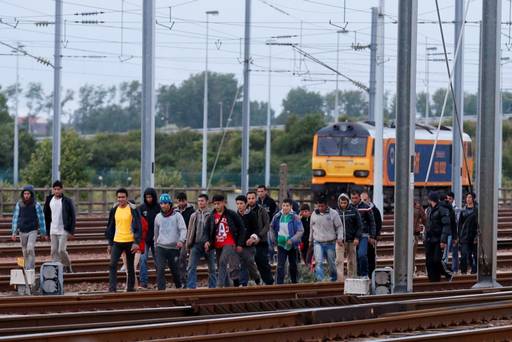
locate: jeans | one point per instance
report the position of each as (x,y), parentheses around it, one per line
(28,248)
(59,251)
(455,254)
(282,255)
(362,257)
(167,257)
(248,266)
(117,249)
(327,249)
(196,252)
(228,266)
(144,262)
(468,257)
(372,258)
(261,259)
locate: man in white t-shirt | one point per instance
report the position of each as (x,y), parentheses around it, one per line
(59,213)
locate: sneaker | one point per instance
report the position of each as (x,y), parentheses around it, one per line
(144,285)
(449,276)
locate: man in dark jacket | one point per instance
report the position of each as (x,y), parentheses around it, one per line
(59,215)
(351,219)
(368,233)
(247,264)
(448,201)
(468,234)
(225,231)
(186,210)
(123,234)
(266,202)
(305,218)
(261,256)
(437,230)
(27,217)
(148,211)
(372,248)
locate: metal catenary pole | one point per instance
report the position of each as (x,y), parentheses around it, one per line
(148,96)
(458,83)
(378,196)
(404,155)
(488,155)
(56,92)
(246,114)
(268,138)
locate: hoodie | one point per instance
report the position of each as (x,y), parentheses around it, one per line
(170,229)
(351,220)
(148,213)
(28,216)
(326,227)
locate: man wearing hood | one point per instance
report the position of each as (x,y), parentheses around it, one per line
(28,216)
(170,235)
(123,234)
(368,234)
(59,214)
(351,220)
(436,237)
(186,210)
(148,211)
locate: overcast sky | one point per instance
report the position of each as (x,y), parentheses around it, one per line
(181,50)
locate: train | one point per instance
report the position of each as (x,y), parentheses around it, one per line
(343,156)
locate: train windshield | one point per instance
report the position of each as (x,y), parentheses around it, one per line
(342,146)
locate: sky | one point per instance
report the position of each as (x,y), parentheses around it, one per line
(110,52)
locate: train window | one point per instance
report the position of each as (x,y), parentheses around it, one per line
(342,146)
(328,146)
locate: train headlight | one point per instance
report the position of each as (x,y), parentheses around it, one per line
(319,173)
(361,173)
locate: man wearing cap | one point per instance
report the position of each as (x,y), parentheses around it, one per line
(351,220)
(170,235)
(437,230)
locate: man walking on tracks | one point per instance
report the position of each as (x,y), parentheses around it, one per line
(27,218)
(261,256)
(327,236)
(372,248)
(437,230)
(59,214)
(186,210)
(247,264)
(225,232)
(148,211)
(368,233)
(196,247)
(351,220)
(123,234)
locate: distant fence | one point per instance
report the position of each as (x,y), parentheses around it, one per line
(98,200)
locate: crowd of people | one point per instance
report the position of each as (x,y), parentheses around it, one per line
(241,243)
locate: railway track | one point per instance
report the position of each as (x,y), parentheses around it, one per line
(350,317)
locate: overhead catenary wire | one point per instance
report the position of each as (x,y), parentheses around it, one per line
(450,81)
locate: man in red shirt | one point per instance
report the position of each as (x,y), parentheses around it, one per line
(224,231)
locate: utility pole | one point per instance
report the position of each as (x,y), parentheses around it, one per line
(221,114)
(246,113)
(56,92)
(378,106)
(488,155)
(404,155)
(458,116)
(268,137)
(205,111)
(373,65)
(147,175)
(337,94)
(15,164)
